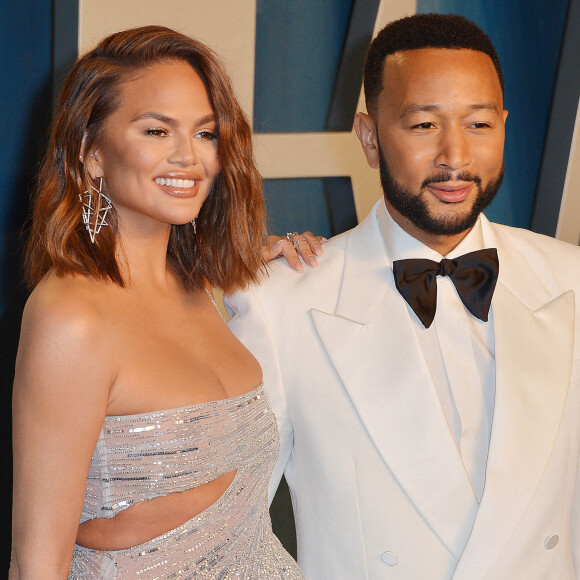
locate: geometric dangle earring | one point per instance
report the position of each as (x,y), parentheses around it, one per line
(95,210)
(193,224)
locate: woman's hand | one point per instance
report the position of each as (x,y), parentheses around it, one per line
(292,246)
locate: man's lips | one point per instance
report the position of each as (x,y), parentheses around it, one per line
(451,193)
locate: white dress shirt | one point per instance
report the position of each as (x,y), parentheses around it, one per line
(458,349)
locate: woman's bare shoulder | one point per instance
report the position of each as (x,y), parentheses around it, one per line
(69,301)
(61,339)
(63,315)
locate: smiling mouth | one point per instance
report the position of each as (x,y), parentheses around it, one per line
(173,182)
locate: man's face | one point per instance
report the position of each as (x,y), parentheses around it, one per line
(441,128)
(416,209)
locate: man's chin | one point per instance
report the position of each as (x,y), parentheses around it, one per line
(449,223)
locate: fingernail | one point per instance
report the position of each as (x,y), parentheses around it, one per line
(323,240)
(318,250)
(298,266)
(311,261)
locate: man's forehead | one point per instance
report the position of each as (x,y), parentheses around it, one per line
(421,57)
(418,67)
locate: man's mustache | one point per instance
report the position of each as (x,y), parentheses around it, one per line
(444,176)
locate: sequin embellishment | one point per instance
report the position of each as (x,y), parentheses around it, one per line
(140,457)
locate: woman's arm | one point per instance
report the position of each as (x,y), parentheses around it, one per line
(62,380)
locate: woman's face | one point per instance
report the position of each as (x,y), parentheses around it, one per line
(158,155)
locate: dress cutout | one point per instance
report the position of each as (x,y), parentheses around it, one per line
(140,457)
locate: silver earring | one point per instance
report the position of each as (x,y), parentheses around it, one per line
(194,226)
(95,210)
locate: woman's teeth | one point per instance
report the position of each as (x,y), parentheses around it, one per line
(171,182)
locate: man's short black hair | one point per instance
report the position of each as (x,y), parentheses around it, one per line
(422,31)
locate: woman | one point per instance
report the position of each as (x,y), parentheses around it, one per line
(136,411)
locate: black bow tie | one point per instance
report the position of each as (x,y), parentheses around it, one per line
(474,276)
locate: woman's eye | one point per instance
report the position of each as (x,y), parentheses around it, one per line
(206,135)
(156,132)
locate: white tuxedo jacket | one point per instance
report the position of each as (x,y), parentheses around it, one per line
(378,486)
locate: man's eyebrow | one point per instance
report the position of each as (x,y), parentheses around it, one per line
(489,106)
(170,120)
(415,108)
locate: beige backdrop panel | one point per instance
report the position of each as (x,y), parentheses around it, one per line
(330,154)
(229,27)
(569,220)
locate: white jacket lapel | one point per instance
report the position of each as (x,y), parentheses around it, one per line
(393,393)
(534,337)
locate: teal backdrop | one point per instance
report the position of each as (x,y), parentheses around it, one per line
(297,60)
(25,103)
(300,56)
(527,36)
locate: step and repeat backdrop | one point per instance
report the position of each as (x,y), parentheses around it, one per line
(297,68)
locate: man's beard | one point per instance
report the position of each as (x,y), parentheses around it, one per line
(414,207)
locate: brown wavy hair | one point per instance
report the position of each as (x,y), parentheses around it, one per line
(225,251)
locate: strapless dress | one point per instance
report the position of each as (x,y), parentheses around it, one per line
(140,457)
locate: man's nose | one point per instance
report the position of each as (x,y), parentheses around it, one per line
(454,149)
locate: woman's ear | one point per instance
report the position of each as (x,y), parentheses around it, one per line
(90,159)
(365,130)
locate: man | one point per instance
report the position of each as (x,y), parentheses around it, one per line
(428,437)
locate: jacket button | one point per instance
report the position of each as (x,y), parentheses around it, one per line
(390,558)
(551,542)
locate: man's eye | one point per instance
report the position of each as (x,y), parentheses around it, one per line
(156,132)
(481,125)
(424,126)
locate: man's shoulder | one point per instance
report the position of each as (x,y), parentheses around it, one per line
(528,242)
(280,274)
(358,243)
(553,261)
(284,292)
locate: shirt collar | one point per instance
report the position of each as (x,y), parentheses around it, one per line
(400,245)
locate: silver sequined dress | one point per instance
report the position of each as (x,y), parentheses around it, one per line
(140,457)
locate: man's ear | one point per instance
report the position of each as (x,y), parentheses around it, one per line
(90,160)
(365,130)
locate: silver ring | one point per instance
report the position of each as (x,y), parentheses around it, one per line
(296,242)
(291,235)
